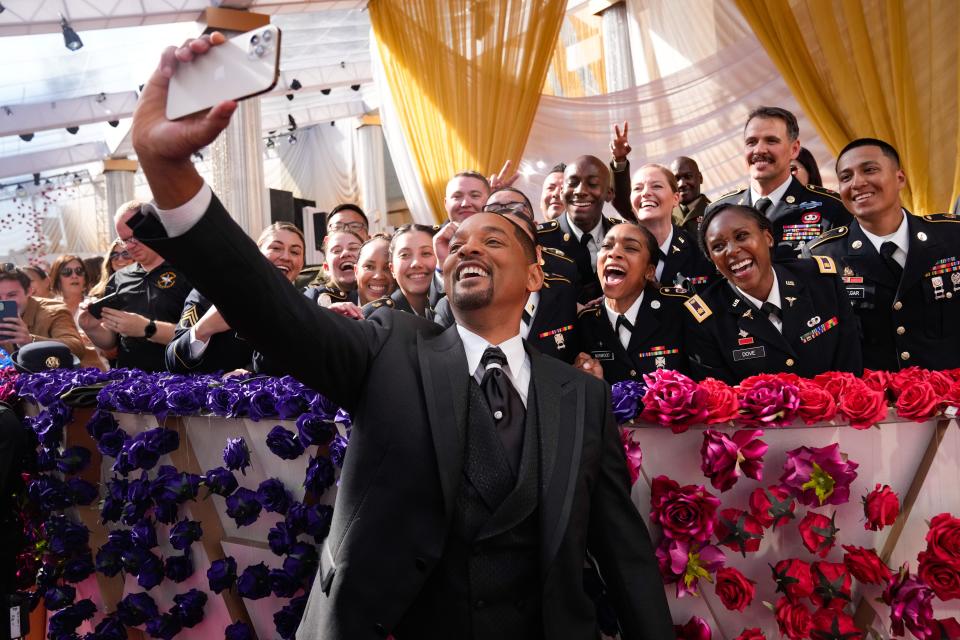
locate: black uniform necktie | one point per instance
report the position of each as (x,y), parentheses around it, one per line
(623,322)
(771,310)
(585,241)
(887,250)
(526,317)
(762,205)
(504,402)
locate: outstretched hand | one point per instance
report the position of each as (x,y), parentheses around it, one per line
(505,178)
(619,145)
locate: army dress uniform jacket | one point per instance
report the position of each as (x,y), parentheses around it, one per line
(398,301)
(685,265)
(327,294)
(729,339)
(690,217)
(913,321)
(557,234)
(657,340)
(225,351)
(801,215)
(405,383)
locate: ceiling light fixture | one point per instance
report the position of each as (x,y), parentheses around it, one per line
(26,137)
(289,96)
(113,123)
(101,97)
(36,179)
(77,179)
(270,143)
(295,84)
(293,123)
(73,130)
(325,92)
(21,192)
(355,87)
(70,38)
(292,139)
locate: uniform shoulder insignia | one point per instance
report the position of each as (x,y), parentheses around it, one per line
(553,277)
(698,308)
(189,317)
(557,253)
(823,191)
(826,264)
(546,227)
(589,310)
(614,220)
(832,234)
(941,217)
(676,292)
(735,192)
(382,302)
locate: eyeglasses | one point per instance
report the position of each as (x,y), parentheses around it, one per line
(8,267)
(72,271)
(507,207)
(346,226)
(122,254)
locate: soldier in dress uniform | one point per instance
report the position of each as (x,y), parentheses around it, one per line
(798,213)
(765,317)
(412,262)
(579,231)
(341,250)
(901,271)
(638,327)
(693,203)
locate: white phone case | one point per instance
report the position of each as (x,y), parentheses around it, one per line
(242,67)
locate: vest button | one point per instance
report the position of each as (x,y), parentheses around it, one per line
(498,414)
(905,355)
(633,373)
(790,362)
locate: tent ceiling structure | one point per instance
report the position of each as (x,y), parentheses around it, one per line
(46,88)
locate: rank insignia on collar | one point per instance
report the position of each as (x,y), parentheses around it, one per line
(790,299)
(748,314)
(856,244)
(743,333)
(675,249)
(736,301)
(166,279)
(790,283)
(847,271)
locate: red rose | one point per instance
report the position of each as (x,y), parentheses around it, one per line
(751,634)
(773,506)
(876,380)
(794,579)
(831,585)
(818,533)
(946,629)
(881,507)
(906,378)
(734,589)
(763,378)
(684,513)
(834,382)
(918,402)
(695,629)
(793,619)
(816,403)
(865,565)
(943,538)
(860,405)
(951,398)
(943,576)
(721,402)
(830,624)
(738,530)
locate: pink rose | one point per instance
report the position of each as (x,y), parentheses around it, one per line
(818,475)
(723,458)
(673,400)
(633,453)
(684,513)
(695,629)
(768,400)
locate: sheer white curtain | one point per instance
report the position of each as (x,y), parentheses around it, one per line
(368,142)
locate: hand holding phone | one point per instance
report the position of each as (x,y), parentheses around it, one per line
(113,301)
(8,309)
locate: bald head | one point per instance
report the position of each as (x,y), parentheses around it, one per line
(138,251)
(586,186)
(688,177)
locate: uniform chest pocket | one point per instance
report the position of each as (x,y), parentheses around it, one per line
(941,308)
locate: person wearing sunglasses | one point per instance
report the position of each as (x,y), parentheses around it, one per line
(117,257)
(70,285)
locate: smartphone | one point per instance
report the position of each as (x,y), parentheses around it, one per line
(8,309)
(113,301)
(242,67)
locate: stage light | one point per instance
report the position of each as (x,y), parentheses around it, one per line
(355,87)
(270,143)
(21,192)
(293,123)
(70,38)
(26,137)
(325,92)
(290,96)
(295,84)
(36,179)
(101,98)
(73,130)
(113,123)
(77,180)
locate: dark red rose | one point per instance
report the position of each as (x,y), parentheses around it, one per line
(722,404)
(951,398)
(793,619)
(946,629)
(831,624)
(772,506)
(860,405)
(816,403)
(685,513)
(881,507)
(751,634)
(794,579)
(818,533)
(831,585)
(738,530)
(943,576)
(918,402)
(734,589)
(876,380)
(943,537)
(865,565)
(906,378)
(695,629)
(835,382)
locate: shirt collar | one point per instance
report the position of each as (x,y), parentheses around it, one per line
(774,196)
(596,232)
(631,313)
(900,237)
(474,346)
(773,297)
(665,247)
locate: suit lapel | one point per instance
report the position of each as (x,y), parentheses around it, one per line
(443,368)
(914,267)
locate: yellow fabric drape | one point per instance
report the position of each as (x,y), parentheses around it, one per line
(589,80)
(465,76)
(884,69)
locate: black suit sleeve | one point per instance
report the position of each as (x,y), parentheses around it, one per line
(325,351)
(620,542)
(621,192)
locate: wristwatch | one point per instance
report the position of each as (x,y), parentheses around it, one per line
(150,329)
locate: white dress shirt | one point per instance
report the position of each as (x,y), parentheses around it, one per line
(772,298)
(665,250)
(631,315)
(596,235)
(533,302)
(518,363)
(900,237)
(774,196)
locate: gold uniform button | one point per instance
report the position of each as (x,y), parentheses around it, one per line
(790,362)
(949,294)
(633,373)
(901,331)
(905,355)
(897,305)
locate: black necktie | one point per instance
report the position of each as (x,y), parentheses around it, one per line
(623,322)
(585,241)
(504,402)
(762,205)
(887,250)
(526,317)
(771,310)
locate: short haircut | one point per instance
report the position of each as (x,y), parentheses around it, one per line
(281,226)
(649,240)
(762,221)
(472,174)
(793,129)
(59,264)
(348,206)
(410,228)
(669,175)
(885,147)
(526,200)
(126,209)
(809,163)
(10,271)
(525,231)
(40,273)
(326,238)
(558,168)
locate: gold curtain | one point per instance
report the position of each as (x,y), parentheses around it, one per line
(586,80)
(884,69)
(465,76)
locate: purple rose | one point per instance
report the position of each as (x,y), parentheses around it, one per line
(302,561)
(109,561)
(132,395)
(164,626)
(283,584)
(254,582)
(151,571)
(143,534)
(222,574)
(263,404)
(220,481)
(46,458)
(185,533)
(112,443)
(290,405)
(136,608)
(186,398)
(236,455)
(73,460)
(338,449)
(172,486)
(188,607)
(81,492)
(318,521)
(288,618)
(101,423)
(297,517)
(284,443)
(280,538)
(222,400)
(243,507)
(178,568)
(56,598)
(319,476)
(166,512)
(768,401)
(138,454)
(110,628)
(238,631)
(49,493)
(273,496)
(910,605)
(343,420)
(64,622)
(66,536)
(627,399)
(314,428)
(78,569)
(818,475)
(322,406)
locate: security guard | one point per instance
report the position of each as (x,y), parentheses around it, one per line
(765,317)
(798,213)
(901,271)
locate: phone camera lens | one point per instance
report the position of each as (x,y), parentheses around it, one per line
(267,36)
(254,40)
(259,50)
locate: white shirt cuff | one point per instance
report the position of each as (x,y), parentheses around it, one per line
(197,347)
(178,221)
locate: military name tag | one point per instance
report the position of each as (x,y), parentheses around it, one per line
(855,292)
(602,355)
(749,354)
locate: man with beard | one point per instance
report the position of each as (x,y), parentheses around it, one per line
(693,204)
(479,470)
(579,231)
(798,213)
